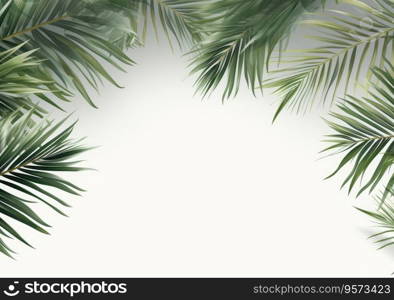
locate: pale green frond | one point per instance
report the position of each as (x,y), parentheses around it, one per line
(179,19)
(352,40)
(384,217)
(74,38)
(18,84)
(364,131)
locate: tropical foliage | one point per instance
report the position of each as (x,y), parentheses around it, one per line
(180,20)
(29,155)
(352,40)
(384,219)
(364,130)
(239,43)
(51,50)
(46,47)
(69,34)
(16,84)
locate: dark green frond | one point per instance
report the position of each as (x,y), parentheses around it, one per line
(364,130)
(241,36)
(30,155)
(353,39)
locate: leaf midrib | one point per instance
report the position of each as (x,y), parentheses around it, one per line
(35,27)
(379,137)
(20,166)
(344,50)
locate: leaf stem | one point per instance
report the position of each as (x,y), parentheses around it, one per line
(376,138)
(346,49)
(34,27)
(20,166)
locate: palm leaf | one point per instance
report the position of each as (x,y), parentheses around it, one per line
(30,155)
(16,85)
(241,36)
(364,130)
(70,35)
(354,39)
(180,19)
(384,218)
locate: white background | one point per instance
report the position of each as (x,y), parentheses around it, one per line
(186,187)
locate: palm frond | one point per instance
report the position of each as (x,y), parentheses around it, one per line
(72,37)
(364,130)
(180,19)
(241,36)
(384,217)
(355,38)
(16,85)
(30,154)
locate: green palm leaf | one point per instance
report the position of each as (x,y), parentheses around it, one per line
(241,36)
(384,217)
(70,35)
(356,38)
(30,155)
(180,19)
(364,130)
(17,85)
